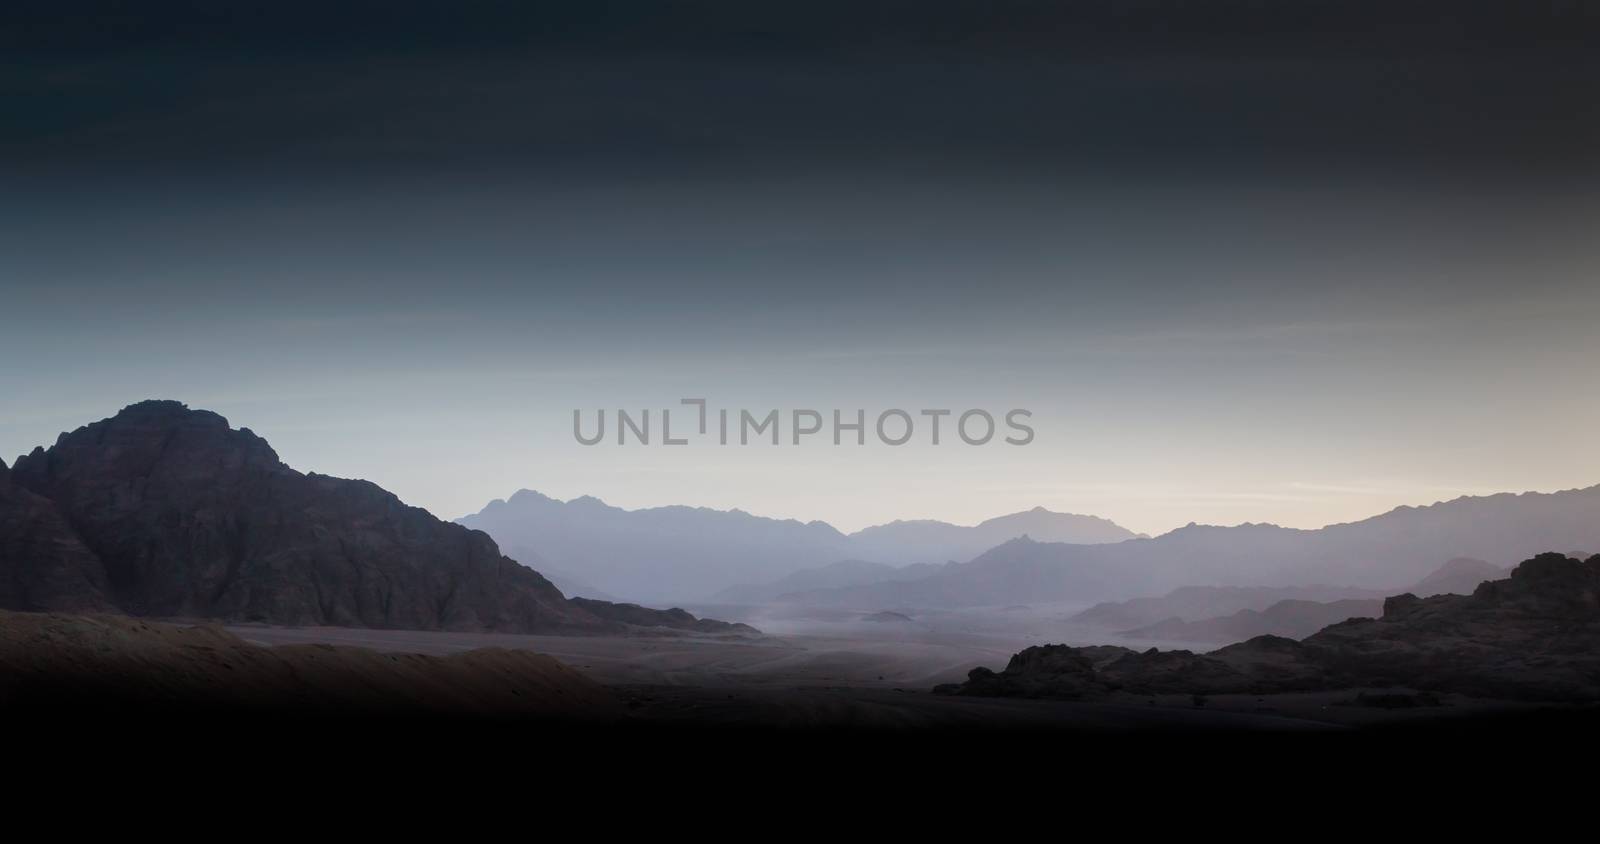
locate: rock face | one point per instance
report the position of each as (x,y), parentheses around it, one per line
(43,564)
(166,511)
(1534,636)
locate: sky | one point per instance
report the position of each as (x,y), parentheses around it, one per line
(1294,263)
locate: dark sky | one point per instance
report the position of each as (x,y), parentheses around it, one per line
(729,88)
(1287,260)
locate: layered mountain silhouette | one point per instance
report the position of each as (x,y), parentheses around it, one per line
(1533,635)
(170,512)
(1381,553)
(925,541)
(1196,603)
(1291,619)
(1235,613)
(1459,576)
(691,553)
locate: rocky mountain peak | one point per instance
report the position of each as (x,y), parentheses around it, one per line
(163,510)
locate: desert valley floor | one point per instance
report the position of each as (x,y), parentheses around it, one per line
(841,675)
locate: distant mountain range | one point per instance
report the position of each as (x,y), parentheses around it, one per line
(1380,553)
(1291,619)
(1460,576)
(169,512)
(1208,613)
(692,553)
(924,541)
(1200,604)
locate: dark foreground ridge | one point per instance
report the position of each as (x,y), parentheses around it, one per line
(164,511)
(1532,636)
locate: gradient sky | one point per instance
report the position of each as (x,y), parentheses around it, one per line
(1289,265)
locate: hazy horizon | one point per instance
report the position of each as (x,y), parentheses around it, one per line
(971,513)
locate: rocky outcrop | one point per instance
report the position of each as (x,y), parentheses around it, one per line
(1535,634)
(672,619)
(166,511)
(1052,671)
(1532,636)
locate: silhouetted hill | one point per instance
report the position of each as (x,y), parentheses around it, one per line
(690,553)
(166,511)
(1534,635)
(1235,613)
(1398,547)
(1290,619)
(1196,603)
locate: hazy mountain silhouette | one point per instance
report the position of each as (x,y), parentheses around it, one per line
(1213,603)
(166,511)
(1203,603)
(1459,576)
(661,553)
(1291,619)
(1380,553)
(926,541)
(1191,614)
(690,553)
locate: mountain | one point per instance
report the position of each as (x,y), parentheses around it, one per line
(1236,613)
(1291,619)
(657,554)
(1196,603)
(924,541)
(689,553)
(1532,636)
(1398,547)
(1459,576)
(169,512)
